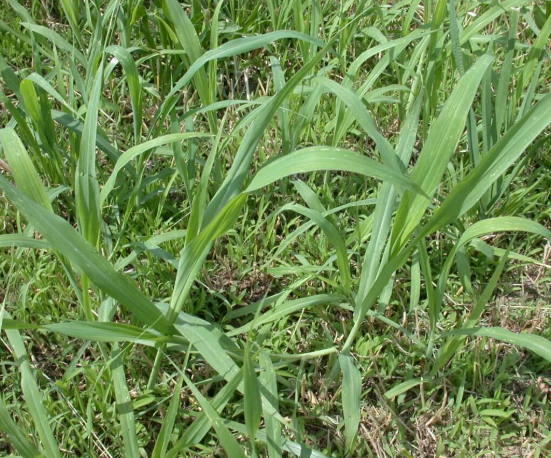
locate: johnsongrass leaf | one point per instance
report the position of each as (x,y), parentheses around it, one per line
(57,40)
(33,398)
(351,398)
(239,170)
(231,48)
(17,438)
(251,400)
(316,158)
(22,241)
(230,444)
(492,166)
(63,237)
(104,332)
(268,378)
(359,111)
(403,387)
(201,425)
(22,168)
(134,86)
(128,155)
(537,344)
(163,439)
(196,251)
(437,152)
(86,183)
(502,224)
(124,406)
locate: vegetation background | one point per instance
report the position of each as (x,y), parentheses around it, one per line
(274,228)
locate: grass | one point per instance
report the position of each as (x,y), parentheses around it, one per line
(270,229)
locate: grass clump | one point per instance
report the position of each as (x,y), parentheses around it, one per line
(275,228)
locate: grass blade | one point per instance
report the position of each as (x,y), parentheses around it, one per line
(318,158)
(437,151)
(351,398)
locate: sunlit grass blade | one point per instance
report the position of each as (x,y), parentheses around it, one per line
(22,241)
(252,400)
(268,378)
(533,342)
(33,398)
(57,40)
(437,151)
(351,398)
(231,48)
(22,168)
(124,405)
(318,158)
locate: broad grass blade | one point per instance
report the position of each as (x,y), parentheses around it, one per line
(351,398)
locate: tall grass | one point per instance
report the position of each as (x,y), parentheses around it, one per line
(139,124)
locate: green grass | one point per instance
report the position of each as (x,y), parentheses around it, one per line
(293,227)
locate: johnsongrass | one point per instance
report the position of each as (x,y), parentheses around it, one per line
(432,124)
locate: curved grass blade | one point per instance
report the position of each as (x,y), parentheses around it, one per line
(537,344)
(22,241)
(131,153)
(57,40)
(231,48)
(318,158)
